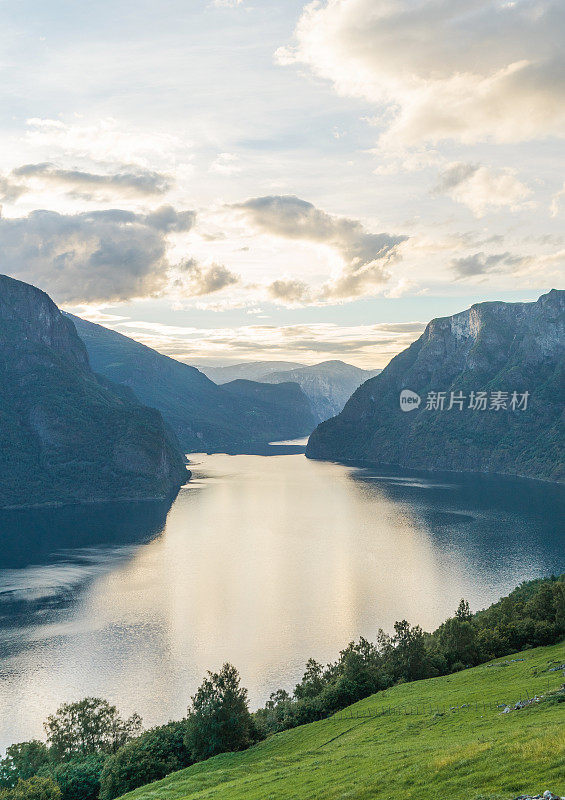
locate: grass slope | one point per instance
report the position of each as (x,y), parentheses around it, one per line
(463,755)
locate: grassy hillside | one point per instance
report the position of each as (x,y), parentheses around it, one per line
(453,755)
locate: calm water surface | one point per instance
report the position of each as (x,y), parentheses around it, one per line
(263,561)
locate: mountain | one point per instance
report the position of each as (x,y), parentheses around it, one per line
(203,416)
(247,370)
(284,403)
(328,385)
(491,347)
(67,435)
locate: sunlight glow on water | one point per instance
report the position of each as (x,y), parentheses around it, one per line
(260,561)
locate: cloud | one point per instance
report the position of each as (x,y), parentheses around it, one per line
(480,264)
(106,140)
(438,69)
(481,189)
(366,255)
(195,280)
(289,291)
(100,256)
(226,164)
(10,191)
(368,345)
(556,200)
(129,181)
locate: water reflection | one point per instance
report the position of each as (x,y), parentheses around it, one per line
(261,561)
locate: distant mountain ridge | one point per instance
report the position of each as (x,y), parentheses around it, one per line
(493,348)
(327,385)
(203,415)
(246,370)
(67,435)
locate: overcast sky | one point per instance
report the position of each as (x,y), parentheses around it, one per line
(242,179)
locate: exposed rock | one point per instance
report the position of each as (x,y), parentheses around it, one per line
(65,434)
(491,347)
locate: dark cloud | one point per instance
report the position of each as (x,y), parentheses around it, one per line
(453,176)
(130,180)
(99,256)
(199,280)
(480,263)
(290,291)
(366,255)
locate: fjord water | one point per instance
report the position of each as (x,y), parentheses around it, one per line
(262,561)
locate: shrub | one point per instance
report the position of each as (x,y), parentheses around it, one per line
(79,779)
(35,788)
(151,756)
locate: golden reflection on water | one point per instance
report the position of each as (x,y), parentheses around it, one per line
(263,562)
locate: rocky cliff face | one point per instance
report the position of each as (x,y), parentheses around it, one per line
(328,385)
(504,350)
(65,434)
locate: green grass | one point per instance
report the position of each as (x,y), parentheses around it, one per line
(462,755)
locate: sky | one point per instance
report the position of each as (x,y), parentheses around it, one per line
(234,180)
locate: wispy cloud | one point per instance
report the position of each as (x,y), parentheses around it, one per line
(129,181)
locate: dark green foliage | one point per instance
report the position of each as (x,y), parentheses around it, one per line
(88,727)
(151,756)
(79,779)
(89,741)
(532,615)
(22,761)
(35,788)
(218,718)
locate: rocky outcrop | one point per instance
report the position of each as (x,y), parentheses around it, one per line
(328,385)
(507,351)
(65,434)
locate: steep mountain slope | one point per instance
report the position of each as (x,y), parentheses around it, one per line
(203,416)
(247,370)
(328,385)
(284,403)
(65,434)
(442,738)
(491,347)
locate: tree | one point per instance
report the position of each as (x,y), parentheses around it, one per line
(22,761)
(312,681)
(458,642)
(218,718)
(79,779)
(153,755)
(410,658)
(33,789)
(88,727)
(463,610)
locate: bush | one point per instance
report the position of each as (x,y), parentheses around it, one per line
(79,779)
(150,757)
(35,788)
